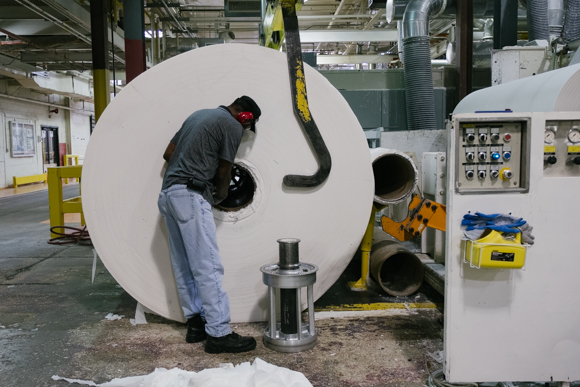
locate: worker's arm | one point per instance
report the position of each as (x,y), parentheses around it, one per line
(169,151)
(222,180)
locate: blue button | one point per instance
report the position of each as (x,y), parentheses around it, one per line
(495,156)
(507,155)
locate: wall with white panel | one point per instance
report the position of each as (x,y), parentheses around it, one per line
(73,129)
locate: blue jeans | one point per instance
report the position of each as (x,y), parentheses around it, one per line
(195,257)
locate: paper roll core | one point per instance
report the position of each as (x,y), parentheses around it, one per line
(241,191)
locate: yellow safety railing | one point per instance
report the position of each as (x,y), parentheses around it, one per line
(19,180)
(70,158)
(57,205)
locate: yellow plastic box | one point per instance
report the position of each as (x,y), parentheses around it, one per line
(496,252)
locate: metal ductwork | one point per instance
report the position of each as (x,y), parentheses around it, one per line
(572,24)
(417,62)
(537,14)
(555,18)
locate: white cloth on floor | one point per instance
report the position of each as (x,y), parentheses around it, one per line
(258,374)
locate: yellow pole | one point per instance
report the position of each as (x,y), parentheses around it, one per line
(365,248)
(101,87)
(55,198)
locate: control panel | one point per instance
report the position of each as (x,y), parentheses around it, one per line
(491,156)
(562,148)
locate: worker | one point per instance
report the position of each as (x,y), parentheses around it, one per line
(198,175)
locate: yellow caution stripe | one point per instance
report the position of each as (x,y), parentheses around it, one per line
(379,306)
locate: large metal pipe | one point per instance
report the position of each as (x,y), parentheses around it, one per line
(398,271)
(572,23)
(395,175)
(418,77)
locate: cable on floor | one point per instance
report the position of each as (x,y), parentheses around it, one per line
(78,235)
(437,379)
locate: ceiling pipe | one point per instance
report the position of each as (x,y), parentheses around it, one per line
(181,26)
(17,37)
(417,62)
(336,13)
(89,112)
(47,16)
(367,27)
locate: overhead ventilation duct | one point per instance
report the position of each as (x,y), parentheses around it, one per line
(417,62)
(555,18)
(537,14)
(572,23)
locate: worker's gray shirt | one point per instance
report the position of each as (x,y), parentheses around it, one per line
(205,137)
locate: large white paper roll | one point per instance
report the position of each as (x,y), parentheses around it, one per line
(123,171)
(553,91)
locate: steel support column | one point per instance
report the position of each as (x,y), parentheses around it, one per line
(505,26)
(100,48)
(464,36)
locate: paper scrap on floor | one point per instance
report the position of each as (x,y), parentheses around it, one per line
(260,373)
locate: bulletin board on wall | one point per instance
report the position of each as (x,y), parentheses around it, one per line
(22,139)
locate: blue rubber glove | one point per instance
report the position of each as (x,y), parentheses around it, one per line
(477,224)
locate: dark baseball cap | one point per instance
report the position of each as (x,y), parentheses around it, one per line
(249,105)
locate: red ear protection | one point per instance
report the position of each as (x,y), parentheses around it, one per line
(245,118)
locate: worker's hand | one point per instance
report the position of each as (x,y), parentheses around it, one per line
(217,199)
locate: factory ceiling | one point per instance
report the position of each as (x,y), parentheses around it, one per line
(55,35)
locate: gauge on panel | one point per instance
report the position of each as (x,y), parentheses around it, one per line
(549,136)
(574,135)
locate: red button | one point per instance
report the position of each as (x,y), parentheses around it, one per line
(507,136)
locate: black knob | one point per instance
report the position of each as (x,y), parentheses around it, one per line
(470,137)
(481,174)
(469,174)
(482,156)
(470,156)
(576,160)
(552,160)
(494,174)
(495,136)
(483,137)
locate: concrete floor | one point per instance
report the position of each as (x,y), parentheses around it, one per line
(52,323)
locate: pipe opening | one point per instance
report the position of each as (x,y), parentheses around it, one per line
(399,275)
(398,271)
(394,178)
(241,190)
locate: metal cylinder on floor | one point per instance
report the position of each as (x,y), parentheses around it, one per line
(289,276)
(398,271)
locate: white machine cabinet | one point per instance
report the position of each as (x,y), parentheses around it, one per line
(515,324)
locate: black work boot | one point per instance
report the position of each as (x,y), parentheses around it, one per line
(195,329)
(232,343)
